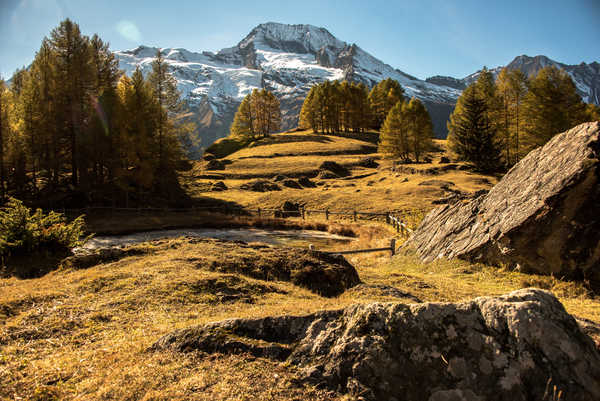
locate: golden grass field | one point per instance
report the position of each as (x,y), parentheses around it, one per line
(84,334)
(368,189)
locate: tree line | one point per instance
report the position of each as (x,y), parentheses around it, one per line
(257,116)
(405,126)
(73,121)
(498,121)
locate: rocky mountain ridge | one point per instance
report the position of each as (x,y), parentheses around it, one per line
(286,59)
(290,59)
(585,76)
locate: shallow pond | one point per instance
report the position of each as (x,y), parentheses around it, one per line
(293,238)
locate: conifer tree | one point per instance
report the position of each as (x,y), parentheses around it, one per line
(503,87)
(420,128)
(394,140)
(471,134)
(164,88)
(551,106)
(385,95)
(243,121)
(517,83)
(3,129)
(74,72)
(70,116)
(335,107)
(308,112)
(592,112)
(258,115)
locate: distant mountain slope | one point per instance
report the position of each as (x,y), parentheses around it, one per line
(585,76)
(286,59)
(290,59)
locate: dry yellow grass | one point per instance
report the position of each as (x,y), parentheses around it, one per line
(411,187)
(301,143)
(84,334)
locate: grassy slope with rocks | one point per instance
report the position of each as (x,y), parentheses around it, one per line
(84,333)
(299,154)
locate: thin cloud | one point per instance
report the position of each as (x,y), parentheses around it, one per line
(129,31)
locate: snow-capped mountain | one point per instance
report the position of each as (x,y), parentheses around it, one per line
(290,59)
(286,59)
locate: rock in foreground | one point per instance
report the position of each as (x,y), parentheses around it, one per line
(492,348)
(543,216)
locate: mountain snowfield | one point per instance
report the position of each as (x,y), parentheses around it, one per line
(288,60)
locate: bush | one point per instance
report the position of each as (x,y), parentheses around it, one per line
(24,233)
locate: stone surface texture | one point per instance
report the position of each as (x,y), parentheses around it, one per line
(543,216)
(511,347)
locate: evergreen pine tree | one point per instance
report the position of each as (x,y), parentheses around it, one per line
(471,134)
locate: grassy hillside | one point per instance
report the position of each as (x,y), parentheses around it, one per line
(299,154)
(85,333)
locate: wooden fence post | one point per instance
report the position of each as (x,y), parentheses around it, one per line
(326,214)
(355,216)
(393,246)
(258,212)
(302,210)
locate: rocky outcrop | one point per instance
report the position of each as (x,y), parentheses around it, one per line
(335,168)
(260,186)
(511,347)
(543,216)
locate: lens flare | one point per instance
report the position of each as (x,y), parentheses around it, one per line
(100,113)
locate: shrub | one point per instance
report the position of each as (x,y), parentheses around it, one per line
(24,233)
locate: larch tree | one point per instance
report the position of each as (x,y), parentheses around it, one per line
(420,128)
(74,72)
(164,89)
(3,130)
(550,106)
(243,120)
(335,107)
(385,95)
(258,115)
(517,84)
(308,117)
(394,138)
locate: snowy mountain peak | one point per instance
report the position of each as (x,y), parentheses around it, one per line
(289,59)
(301,39)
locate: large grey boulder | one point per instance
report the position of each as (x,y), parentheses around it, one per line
(543,216)
(512,347)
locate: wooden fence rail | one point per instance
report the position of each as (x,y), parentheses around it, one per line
(399,225)
(391,249)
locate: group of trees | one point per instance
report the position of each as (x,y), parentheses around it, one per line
(407,130)
(405,126)
(335,107)
(257,116)
(498,121)
(74,119)
(349,107)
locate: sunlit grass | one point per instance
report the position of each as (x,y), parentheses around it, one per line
(85,333)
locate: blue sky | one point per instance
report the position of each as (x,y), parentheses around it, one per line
(421,38)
